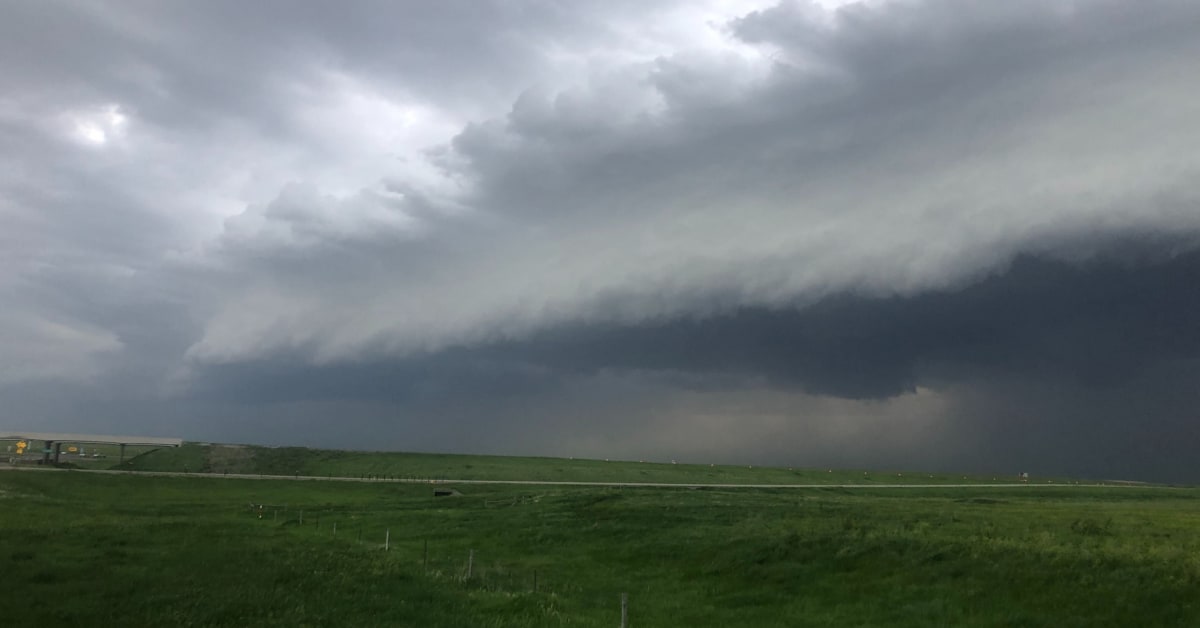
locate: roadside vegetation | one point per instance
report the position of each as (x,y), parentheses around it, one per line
(299,461)
(90,549)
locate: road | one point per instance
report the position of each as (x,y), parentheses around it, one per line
(689,485)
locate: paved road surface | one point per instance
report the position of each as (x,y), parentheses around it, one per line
(248,476)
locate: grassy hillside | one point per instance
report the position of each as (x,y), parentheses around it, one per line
(153,551)
(291,461)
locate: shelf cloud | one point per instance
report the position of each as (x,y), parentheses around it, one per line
(869,233)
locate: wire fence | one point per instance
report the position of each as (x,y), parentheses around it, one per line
(440,561)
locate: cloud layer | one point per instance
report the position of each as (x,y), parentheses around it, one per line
(810,216)
(698,183)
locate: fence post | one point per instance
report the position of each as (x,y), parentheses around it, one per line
(387,539)
(335,528)
(301,517)
(470,562)
(624,610)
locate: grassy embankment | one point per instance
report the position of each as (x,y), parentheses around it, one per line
(155,551)
(291,461)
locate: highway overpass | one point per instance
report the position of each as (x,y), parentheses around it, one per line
(53,441)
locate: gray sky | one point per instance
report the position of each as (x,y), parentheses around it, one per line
(921,234)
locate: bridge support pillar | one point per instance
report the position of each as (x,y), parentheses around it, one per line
(46,451)
(57,452)
(122,454)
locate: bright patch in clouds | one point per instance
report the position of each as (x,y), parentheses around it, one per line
(361,133)
(98,126)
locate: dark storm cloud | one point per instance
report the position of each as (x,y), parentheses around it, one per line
(1098,324)
(1049,367)
(434,379)
(698,229)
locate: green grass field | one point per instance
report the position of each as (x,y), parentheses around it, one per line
(131,550)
